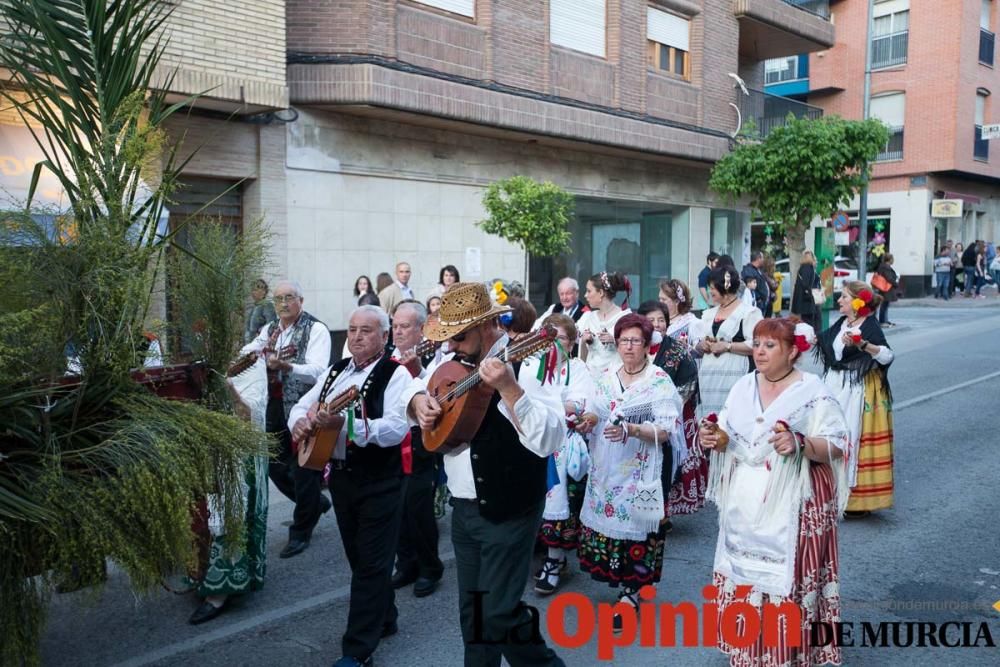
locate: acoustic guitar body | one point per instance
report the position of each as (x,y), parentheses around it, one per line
(318,449)
(461,416)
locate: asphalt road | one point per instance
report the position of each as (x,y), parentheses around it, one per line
(933,558)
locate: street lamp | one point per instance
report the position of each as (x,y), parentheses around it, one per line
(863,204)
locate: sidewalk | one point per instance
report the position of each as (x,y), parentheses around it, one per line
(957,301)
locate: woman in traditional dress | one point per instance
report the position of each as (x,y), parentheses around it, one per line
(676,296)
(238,570)
(725,331)
(779,480)
(856,359)
(560,527)
(597,343)
(687,493)
(636,421)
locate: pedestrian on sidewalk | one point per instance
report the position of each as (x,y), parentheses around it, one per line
(995,270)
(980,269)
(942,272)
(889,285)
(806,280)
(969,268)
(957,274)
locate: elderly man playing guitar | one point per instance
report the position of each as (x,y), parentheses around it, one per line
(497,476)
(367,480)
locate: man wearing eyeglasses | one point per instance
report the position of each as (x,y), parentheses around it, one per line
(297,351)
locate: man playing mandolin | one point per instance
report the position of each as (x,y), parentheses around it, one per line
(497,481)
(296,349)
(367,480)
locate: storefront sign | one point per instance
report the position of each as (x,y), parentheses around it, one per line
(990,132)
(946,208)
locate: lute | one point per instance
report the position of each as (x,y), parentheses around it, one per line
(464,399)
(318,447)
(247,360)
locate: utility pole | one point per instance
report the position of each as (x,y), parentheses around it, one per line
(863,205)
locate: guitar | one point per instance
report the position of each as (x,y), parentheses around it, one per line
(418,352)
(464,400)
(246,361)
(318,447)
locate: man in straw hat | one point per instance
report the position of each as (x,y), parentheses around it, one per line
(498,482)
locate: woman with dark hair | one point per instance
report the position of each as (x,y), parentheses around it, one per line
(856,359)
(362,286)
(597,344)
(382,281)
(447,276)
(890,278)
(676,296)
(636,419)
(806,280)
(778,477)
(687,494)
(725,331)
(521,317)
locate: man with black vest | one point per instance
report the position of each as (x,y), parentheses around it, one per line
(297,351)
(498,482)
(367,480)
(417,560)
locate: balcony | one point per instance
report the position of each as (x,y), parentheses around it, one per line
(894,147)
(980,146)
(890,50)
(775,28)
(765,112)
(987,41)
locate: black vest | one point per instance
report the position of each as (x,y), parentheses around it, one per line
(373,460)
(510,480)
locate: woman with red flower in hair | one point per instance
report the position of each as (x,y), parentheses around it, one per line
(778,478)
(856,359)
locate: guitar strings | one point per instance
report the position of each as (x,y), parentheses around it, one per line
(520,348)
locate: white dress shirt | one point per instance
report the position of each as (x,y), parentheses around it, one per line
(405,290)
(386,431)
(317,357)
(539,412)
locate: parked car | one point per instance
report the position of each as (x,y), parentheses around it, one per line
(844,268)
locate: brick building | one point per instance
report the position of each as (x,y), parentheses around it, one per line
(933,79)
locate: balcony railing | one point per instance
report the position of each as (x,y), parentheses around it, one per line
(987,41)
(766,112)
(890,50)
(980,146)
(817,7)
(894,147)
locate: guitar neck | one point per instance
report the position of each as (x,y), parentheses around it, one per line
(510,354)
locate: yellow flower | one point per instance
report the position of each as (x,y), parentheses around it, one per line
(502,298)
(498,286)
(857,304)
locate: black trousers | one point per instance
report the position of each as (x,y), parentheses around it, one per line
(493,562)
(300,485)
(417,552)
(369,510)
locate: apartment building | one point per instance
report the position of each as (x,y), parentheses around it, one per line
(934,73)
(409,109)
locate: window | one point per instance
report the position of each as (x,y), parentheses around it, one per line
(986,37)
(668,41)
(579,25)
(890,33)
(463,7)
(777,70)
(980,146)
(891,110)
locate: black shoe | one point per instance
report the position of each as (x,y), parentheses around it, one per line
(424,586)
(294,548)
(351,661)
(389,629)
(401,579)
(668,527)
(617,623)
(206,612)
(551,568)
(324,504)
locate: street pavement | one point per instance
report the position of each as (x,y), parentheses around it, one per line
(932,558)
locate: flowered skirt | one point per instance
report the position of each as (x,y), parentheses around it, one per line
(631,563)
(816,589)
(687,494)
(565,533)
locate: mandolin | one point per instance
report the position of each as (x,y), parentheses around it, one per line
(463,397)
(318,447)
(247,360)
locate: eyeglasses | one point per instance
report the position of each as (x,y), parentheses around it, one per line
(631,342)
(458,338)
(288,298)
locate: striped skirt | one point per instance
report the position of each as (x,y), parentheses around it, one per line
(873,489)
(816,589)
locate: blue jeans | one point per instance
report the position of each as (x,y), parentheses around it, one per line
(944,284)
(970,279)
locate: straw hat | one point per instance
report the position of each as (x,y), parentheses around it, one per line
(463,306)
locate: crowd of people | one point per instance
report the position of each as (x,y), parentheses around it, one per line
(583,451)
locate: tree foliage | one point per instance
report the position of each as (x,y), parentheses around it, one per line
(533,215)
(800,171)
